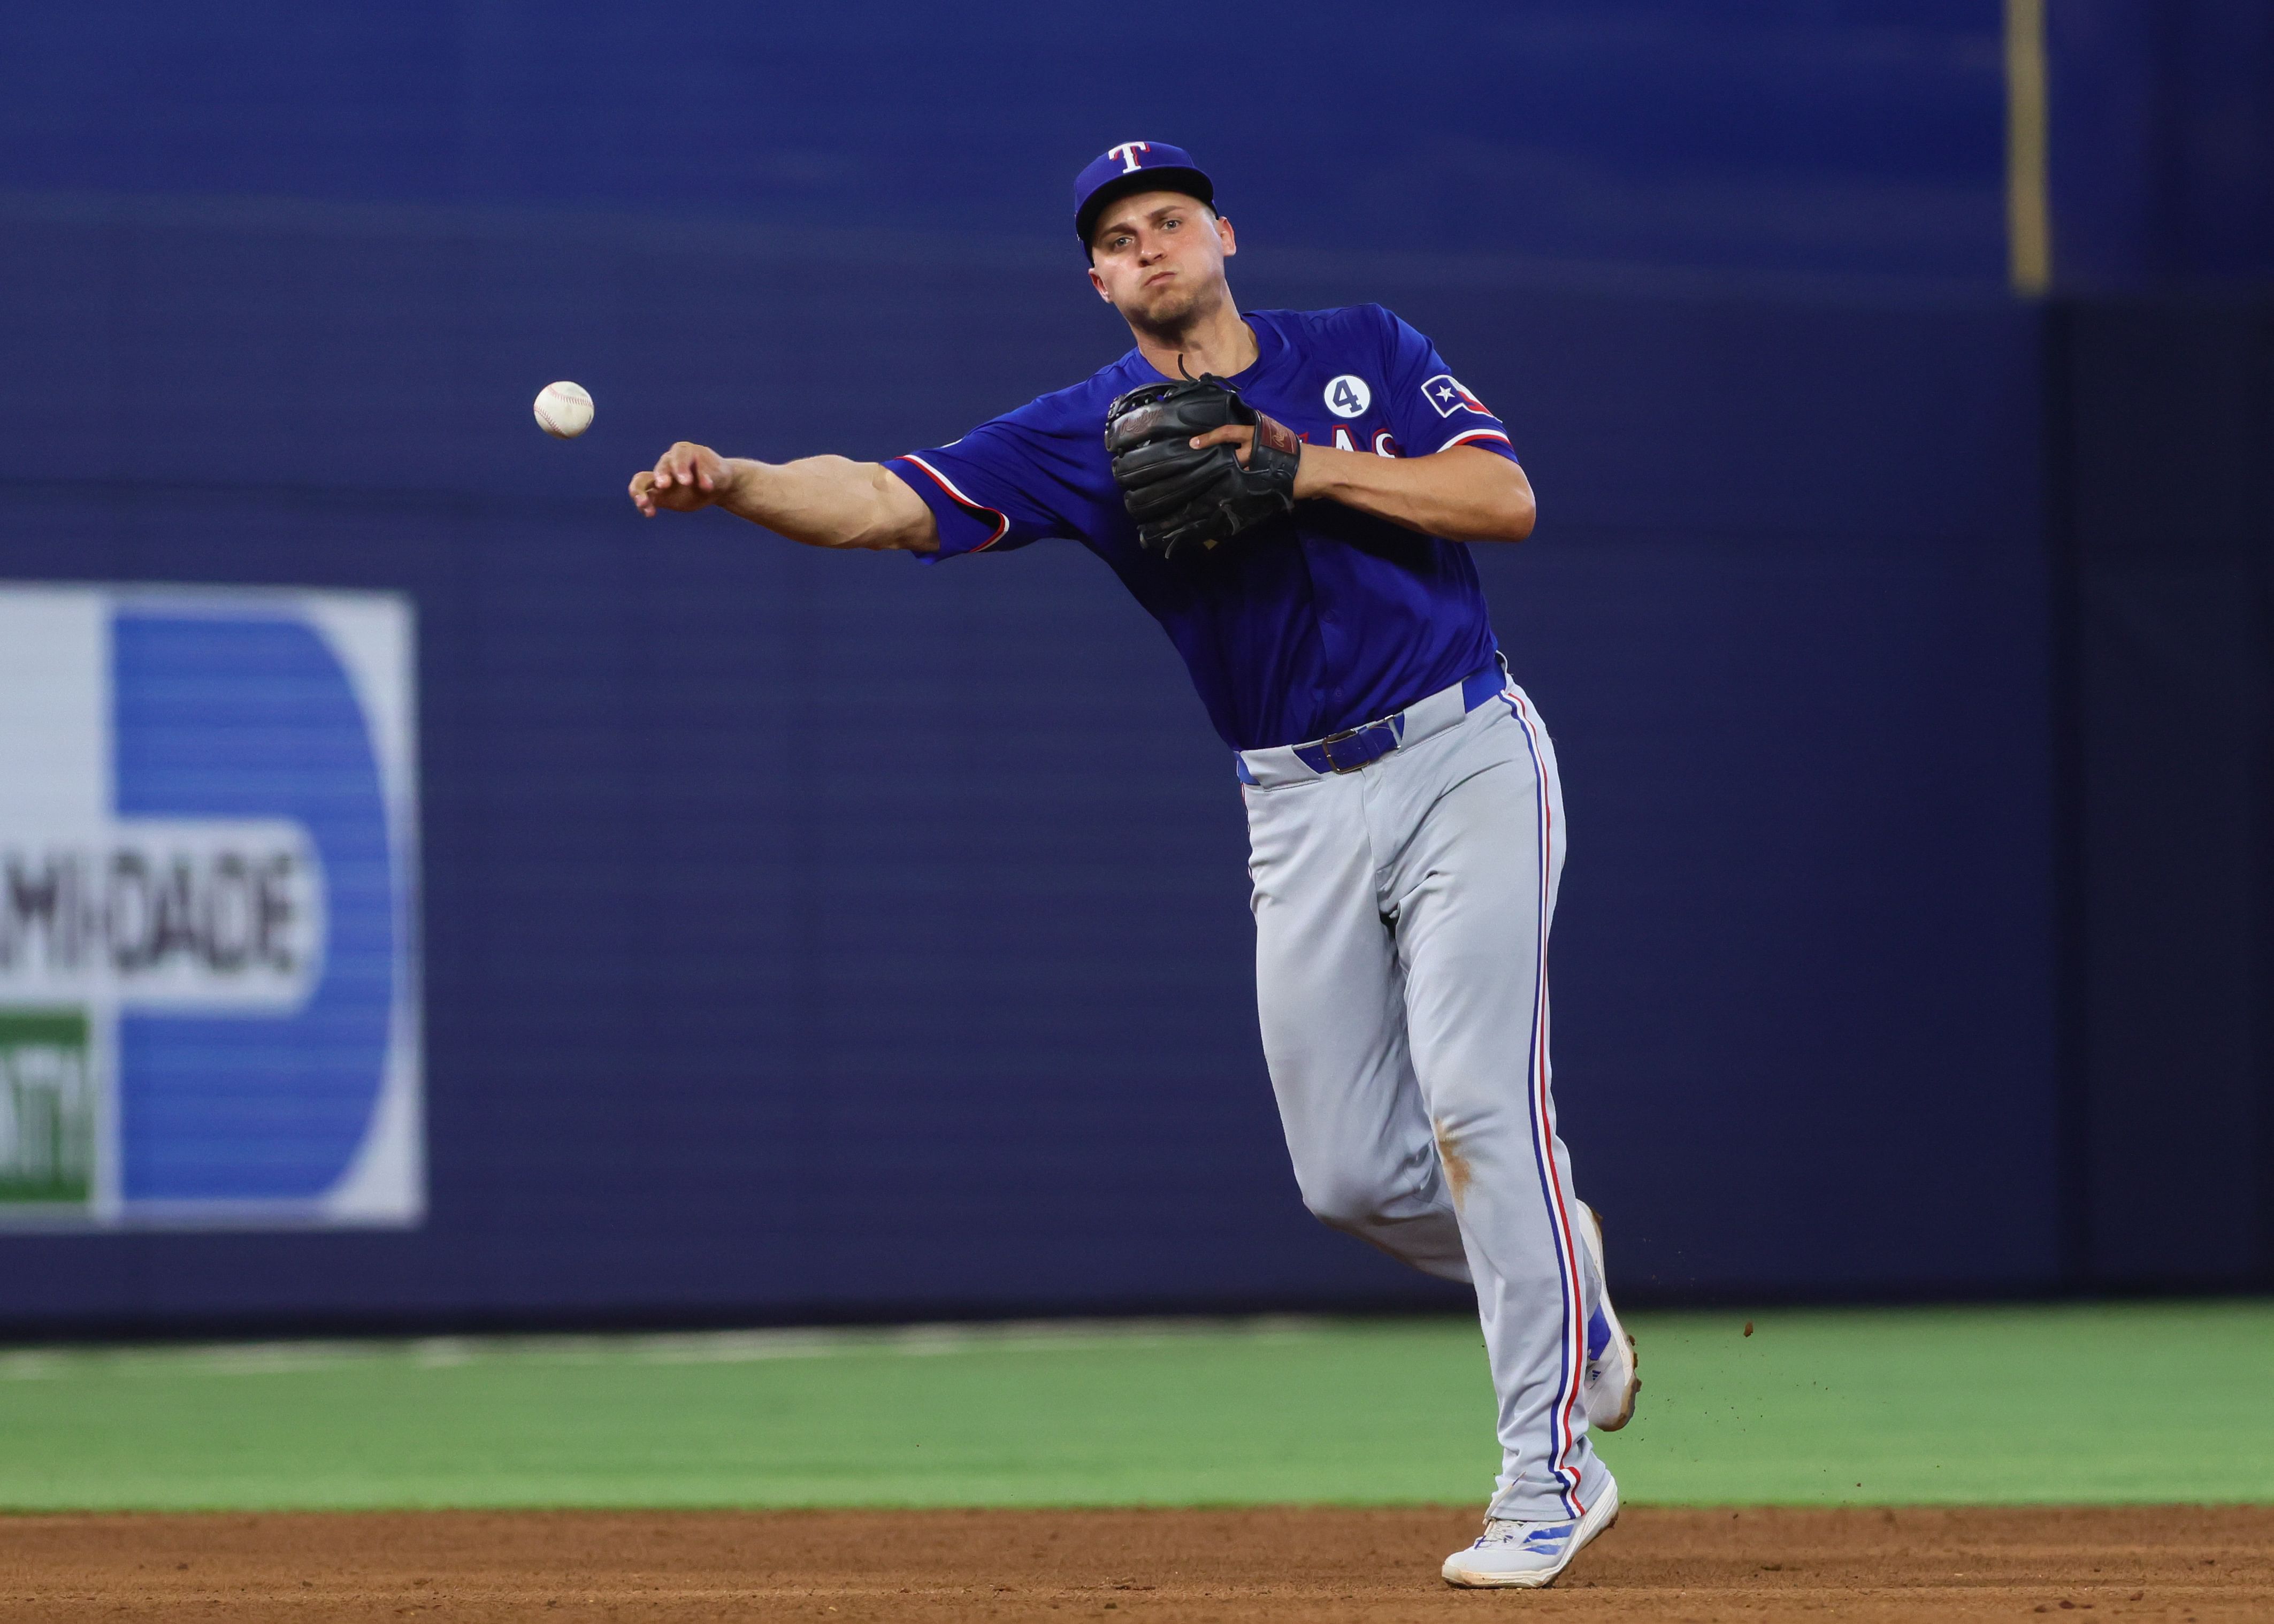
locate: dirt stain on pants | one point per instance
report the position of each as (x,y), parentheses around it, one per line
(1457,1165)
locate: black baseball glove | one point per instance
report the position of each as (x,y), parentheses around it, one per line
(1185,499)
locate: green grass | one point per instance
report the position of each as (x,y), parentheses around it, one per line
(2130,1404)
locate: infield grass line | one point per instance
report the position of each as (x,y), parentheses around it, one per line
(2018,1405)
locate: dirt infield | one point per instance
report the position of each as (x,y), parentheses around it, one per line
(1230,1566)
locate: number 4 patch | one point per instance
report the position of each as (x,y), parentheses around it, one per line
(1447,393)
(1348,397)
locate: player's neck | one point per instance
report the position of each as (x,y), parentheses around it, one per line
(1213,341)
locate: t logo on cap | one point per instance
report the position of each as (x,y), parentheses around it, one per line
(1134,166)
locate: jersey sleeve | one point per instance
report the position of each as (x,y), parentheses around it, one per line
(1431,410)
(991,491)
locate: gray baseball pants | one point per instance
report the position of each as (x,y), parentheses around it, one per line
(1401,933)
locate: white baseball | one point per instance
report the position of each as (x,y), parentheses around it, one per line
(564,411)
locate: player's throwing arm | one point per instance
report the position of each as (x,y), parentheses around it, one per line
(824,501)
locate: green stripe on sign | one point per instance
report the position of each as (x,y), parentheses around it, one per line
(47,1108)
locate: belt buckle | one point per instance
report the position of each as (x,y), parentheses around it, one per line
(1327,747)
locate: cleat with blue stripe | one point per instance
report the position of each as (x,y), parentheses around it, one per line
(1612,1378)
(1528,1556)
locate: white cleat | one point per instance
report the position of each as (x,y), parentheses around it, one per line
(1611,1379)
(1528,1556)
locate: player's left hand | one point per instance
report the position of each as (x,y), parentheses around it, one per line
(1242,439)
(1162,440)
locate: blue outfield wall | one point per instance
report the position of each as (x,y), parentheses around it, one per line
(1863,136)
(813,936)
(2161,427)
(1843,135)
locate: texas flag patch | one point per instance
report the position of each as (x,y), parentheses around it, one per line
(1448,396)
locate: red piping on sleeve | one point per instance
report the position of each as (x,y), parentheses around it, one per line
(1002,520)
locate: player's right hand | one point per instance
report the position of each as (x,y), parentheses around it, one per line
(685,478)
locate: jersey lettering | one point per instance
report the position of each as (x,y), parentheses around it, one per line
(1384,445)
(1342,441)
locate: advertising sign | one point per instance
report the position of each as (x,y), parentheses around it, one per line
(209,989)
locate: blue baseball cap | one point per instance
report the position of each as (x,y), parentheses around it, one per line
(1135,166)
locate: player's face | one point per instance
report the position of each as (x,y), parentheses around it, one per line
(1157,257)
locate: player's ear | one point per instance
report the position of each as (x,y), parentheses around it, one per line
(1098,283)
(1223,234)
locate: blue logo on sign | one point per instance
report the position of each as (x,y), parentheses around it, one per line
(256,718)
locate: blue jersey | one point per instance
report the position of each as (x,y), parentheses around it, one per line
(1316,621)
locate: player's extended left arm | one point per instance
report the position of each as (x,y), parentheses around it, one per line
(1464,494)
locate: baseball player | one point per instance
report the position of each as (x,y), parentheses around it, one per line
(1289,494)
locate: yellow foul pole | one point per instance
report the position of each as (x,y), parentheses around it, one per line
(2028,221)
